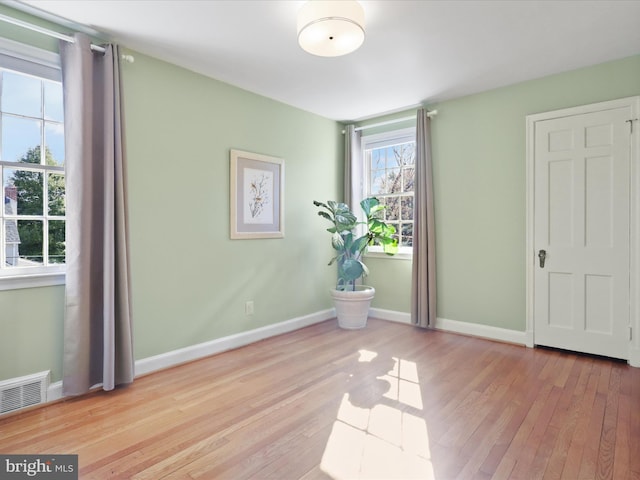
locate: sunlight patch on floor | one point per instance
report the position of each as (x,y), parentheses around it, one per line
(381,440)
(366,355)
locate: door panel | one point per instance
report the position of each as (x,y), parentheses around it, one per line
(560,178)
(599,202)
(581,220)
(560,289)
(599,304)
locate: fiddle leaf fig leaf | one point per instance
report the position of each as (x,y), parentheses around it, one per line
(368,204)
(351,269)
(365,270)
(359,245)
(377,211)
(377,227)
(345,220)
(390,248)
(337,241)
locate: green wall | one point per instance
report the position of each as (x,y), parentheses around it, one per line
(190,282)
(31,327)
(479,185)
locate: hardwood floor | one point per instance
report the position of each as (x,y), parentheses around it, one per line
(387,402)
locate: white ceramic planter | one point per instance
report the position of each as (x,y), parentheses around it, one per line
(352,306)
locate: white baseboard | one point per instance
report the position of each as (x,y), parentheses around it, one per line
(390,315)
(634,356)
(54,392)
(219,345)
(200,350)
(455,326)
(483,331)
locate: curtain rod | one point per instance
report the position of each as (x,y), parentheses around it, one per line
(431,113)
(54,34)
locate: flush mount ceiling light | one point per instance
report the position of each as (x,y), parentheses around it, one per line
(331,28)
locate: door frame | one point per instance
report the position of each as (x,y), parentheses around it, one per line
(633,103)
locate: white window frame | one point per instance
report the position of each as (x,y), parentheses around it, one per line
(29,60)
(379,140)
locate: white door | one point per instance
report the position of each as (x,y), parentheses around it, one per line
(581,232)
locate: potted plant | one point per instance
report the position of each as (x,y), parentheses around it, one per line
(352,300)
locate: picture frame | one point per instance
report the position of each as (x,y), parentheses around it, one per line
(256,196)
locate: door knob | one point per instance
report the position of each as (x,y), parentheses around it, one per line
(542,255)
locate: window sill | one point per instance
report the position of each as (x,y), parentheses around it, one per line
(32,281)
(401,255)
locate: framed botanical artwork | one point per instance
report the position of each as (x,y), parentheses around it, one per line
(257,196)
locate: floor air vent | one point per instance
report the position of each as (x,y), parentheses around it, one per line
(22,392)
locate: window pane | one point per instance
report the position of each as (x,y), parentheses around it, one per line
(408,176)
(56,194)
(56,241)
(12,242)
(405,153)
(395,157)
(396,235)
(385,154)
(10,197)
(407,235)
(53,109)
(406,208)
(21,139)
(54,143)
(27,187)
(394,181)
(21,94)
(377,182)
(392,211)
(377,162)
(30,247)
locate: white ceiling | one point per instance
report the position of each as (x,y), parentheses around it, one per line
(414,51)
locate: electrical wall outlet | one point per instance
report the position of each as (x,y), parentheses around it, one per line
(248,307)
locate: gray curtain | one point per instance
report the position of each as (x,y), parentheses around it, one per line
(352,168)
(98,345)
(423,285)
